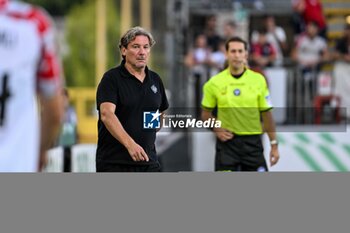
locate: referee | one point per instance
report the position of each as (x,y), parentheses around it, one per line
(242,98)
(124,95)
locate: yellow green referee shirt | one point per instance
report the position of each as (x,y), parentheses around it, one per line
(239,100)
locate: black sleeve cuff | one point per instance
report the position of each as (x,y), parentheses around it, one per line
(266,110)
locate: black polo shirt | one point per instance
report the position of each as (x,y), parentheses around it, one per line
(132,98)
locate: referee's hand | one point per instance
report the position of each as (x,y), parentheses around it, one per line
(274,155)
(137,153)
(43,160)
(223,134)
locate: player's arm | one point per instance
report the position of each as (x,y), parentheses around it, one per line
(50,83)
(270,128)
(112,123)
(209,102)
(52,112)
(206,114)
(164,105)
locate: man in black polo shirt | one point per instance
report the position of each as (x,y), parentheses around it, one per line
(125,94)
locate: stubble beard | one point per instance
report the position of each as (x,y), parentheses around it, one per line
(139,66)
(236,68)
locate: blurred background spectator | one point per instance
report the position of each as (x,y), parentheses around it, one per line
(217,59)
(68,135)
(276,36)
(210,31)
(229,29)
(310,10)
(342,69)
(197,60)
(309,52)
(198,56)
(263,53)
(310,49)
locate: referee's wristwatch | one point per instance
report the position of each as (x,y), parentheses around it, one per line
(273,142)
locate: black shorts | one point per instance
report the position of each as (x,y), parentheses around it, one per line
(242,153)
(103,167)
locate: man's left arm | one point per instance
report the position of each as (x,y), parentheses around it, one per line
(52,113)
(270,128)
(164,105)
(50,83)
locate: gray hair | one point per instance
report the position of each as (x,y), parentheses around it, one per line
(132,33)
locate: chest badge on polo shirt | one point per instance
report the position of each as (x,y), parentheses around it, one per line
(224,91)
(237,92)
(154,89)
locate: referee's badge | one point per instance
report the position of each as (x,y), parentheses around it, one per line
(154,89)
(224,91)
(237,92)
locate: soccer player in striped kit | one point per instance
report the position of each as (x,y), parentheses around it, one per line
(31,107)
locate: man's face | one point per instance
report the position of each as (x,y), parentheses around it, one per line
(236,55)
(262,38)
(229,31)
(311,30)
(137,52)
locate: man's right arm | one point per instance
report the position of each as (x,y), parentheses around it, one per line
(222,134)
(208,104)
(113,125)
